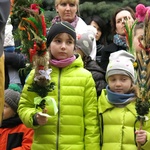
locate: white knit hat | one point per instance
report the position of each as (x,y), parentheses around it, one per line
(121,62)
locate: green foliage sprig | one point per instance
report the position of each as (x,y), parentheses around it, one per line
(129,36)
(142,107)
(42,91)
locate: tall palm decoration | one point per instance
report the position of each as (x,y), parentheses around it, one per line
(142,67)
(32,33)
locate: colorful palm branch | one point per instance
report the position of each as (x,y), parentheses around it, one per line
(33,38)
(142,105)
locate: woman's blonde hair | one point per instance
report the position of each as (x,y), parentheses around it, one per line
(57,2)
(72,1)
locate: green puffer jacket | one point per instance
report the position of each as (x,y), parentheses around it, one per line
(75,126)
(119,125)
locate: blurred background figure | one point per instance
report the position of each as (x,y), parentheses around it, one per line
(120,17)
(100,36)
(13,61)
(84,47)
(138,35)
(13,133)
(69,11)
(9,45)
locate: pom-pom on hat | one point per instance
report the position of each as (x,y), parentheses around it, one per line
(121,62)
(60,27)
(85,41)
(12,97)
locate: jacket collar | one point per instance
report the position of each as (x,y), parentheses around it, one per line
(104,105)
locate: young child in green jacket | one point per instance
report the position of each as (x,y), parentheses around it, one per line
(75,125)
(118,116)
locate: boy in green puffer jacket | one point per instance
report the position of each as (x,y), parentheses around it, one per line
(74,125)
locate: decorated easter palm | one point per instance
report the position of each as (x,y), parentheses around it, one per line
(142,66)
(143,75)
(32,32)
(143,71)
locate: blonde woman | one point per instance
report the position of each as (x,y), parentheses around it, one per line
(75,126)
(68,10)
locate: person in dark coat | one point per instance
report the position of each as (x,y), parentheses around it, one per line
(98,23)
(84,47)
(120,17)
(14,62)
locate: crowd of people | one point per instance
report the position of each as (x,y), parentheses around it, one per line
(93,102)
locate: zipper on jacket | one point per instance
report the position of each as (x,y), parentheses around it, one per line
(58,122)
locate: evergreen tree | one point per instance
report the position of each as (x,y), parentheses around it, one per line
(104,9)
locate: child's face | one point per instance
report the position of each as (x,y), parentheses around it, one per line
(98,33)
(8,112)
(62,46)
(119,83)
(138,36)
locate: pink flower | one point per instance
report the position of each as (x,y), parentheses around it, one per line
(35,7)
(141,11)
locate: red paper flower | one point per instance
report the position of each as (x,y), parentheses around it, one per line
(35,7)
(40,67)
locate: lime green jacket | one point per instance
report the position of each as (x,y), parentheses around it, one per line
(75,126)
(118,126)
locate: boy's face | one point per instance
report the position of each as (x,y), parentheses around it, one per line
(119,83)
(138,36)
(62,46)
(8,112)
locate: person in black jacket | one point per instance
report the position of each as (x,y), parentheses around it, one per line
(120,17)
(98,23)
(84,47)
(13,63)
